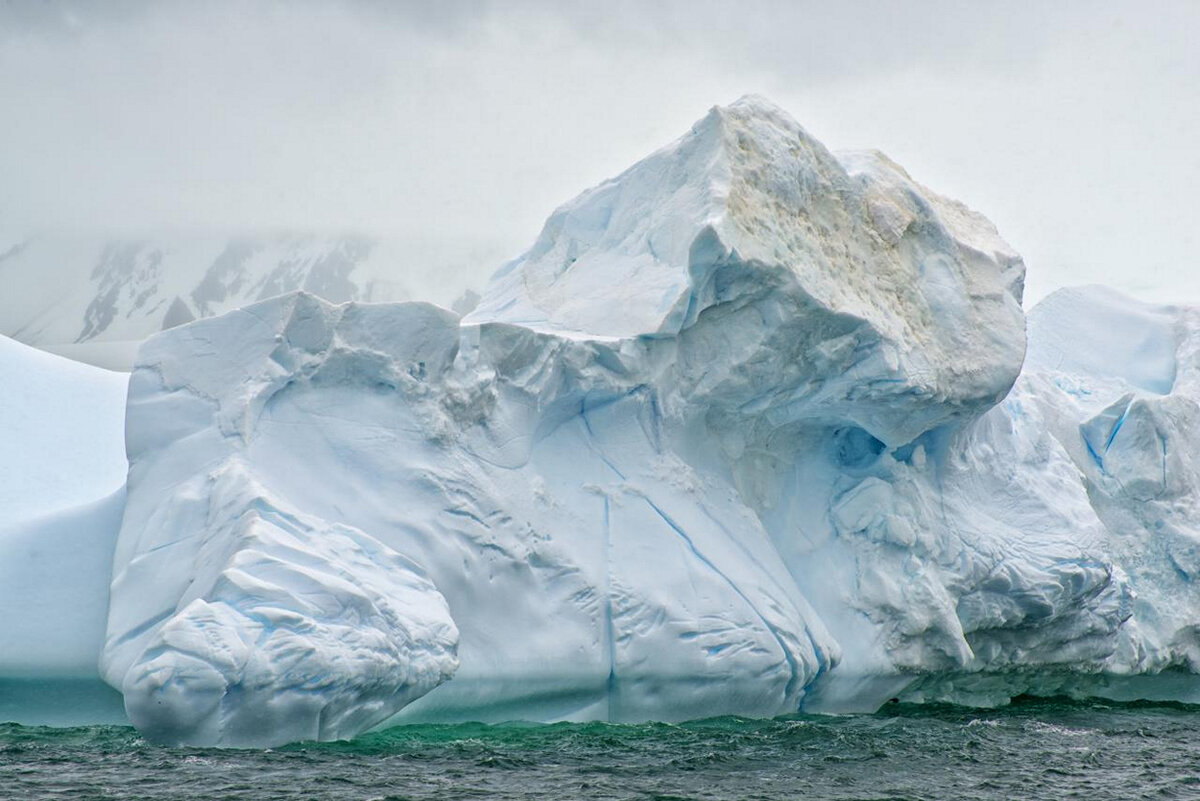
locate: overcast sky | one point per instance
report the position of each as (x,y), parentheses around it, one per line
(1073,126)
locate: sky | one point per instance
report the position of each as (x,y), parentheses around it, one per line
(1074,126)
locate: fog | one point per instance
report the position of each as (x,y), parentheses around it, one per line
(460,126)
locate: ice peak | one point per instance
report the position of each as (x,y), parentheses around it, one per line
(644,229)
(752,106)
(748,205)
(621,259)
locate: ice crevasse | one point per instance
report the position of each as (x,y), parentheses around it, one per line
(745,431)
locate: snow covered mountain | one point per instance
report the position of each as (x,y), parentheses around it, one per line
(751,428)
(95,299)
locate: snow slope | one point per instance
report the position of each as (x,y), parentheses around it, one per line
(64,432)
(62,476)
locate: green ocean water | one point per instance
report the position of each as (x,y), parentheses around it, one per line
(1033,749)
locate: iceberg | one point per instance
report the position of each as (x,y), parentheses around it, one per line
(62,477)
(752,428)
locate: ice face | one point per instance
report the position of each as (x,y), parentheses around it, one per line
(63,432)
(1129,425)
(1108,394)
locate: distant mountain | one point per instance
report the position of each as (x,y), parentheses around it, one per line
(94,298)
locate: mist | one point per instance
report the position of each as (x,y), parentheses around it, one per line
(460,126)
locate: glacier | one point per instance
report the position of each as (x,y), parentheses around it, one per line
(752,428)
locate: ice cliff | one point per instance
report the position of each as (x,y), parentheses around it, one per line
(746,431)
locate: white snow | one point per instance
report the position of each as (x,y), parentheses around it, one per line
(1100,333)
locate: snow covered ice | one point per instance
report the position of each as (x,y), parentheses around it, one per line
(746,431)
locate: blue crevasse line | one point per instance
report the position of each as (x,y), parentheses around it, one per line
(1179,571)
(1117,427)
(1164,462)
(787,654)
(592,437)
(655,422)
(609,629)
(819,652)
(1092,452)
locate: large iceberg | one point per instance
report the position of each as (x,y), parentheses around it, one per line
(746,431)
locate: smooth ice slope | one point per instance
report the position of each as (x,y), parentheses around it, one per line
(64,434)
(62,473)
(1099,333)
(735,436)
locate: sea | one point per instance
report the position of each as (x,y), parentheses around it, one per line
(1031,749)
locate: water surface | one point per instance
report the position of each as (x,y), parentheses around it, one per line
(1032,749)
